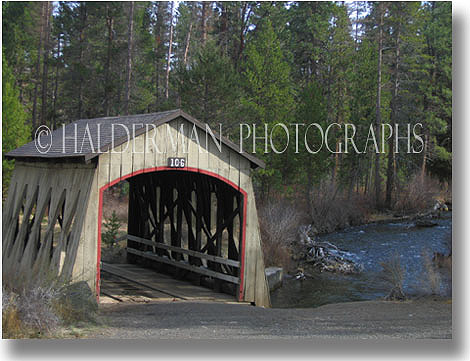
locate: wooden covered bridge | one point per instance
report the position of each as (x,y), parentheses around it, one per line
(191,203)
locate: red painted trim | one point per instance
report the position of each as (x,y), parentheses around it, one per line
(187,169)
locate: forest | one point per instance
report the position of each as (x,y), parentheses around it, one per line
(251,62)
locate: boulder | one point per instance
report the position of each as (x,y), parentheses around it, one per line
(274,276)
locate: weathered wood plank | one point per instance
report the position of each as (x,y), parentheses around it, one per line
(203,271)
(203,160)
(115,163)
(138,153)
(150,136)
(161,140)
(103,168)
(185,251)
(250,241)
(126,159)
(172,139)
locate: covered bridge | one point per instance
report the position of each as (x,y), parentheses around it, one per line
(191,202)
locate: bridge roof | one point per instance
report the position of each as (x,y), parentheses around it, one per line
(102,136)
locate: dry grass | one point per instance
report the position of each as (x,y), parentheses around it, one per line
(279,223)
(41,310)
(393,272)
(436,279)
(431,280)
(30,313)
(12,327)
(418,195)
(331,209)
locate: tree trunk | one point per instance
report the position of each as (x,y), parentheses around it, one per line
(56,85)
(245,15)
(130,36)
(45,63)
(107,87)
(168,61)
(38,67)
(378,119)
(188,40)
(203,22)
(159,10)
(224,28)
(391,167)
(83,16)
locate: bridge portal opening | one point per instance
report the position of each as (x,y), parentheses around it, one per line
(188,225)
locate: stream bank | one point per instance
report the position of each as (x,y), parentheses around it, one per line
(370,245)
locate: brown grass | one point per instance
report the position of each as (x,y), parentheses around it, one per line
(437,276)
(431,279)
(41,310)
(279,223)
(12,327)
(417,195)
(331,209)
(393,272)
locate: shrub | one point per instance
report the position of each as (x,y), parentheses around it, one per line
(76,303)
(331,209)
(279,222)
(436,278)
(30,313)
(39,310)
(431,280)
(417,195)
(393,273)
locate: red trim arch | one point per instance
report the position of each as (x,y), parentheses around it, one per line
(187,169)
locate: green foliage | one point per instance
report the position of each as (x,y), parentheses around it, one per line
(311,110)
(15,131)
(112,226)
(256,62)
(209,87)
(268,98)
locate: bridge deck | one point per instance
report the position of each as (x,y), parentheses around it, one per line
(127,282)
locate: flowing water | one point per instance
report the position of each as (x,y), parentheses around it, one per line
(369,245)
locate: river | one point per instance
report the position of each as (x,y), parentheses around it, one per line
(370,245)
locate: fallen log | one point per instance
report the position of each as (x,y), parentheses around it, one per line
(326,256)
(425,223)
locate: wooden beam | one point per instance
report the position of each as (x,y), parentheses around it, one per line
(229,262)
(186,266)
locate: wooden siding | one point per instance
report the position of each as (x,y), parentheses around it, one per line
(84,185)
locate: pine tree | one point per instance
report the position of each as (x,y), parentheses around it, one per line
(436,87)
(15,131)
(209,88)
(269,96)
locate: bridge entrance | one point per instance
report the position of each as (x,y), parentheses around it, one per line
(188,225)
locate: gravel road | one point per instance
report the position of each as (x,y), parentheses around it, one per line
(425,318)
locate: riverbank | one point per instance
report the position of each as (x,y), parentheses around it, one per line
(415,319)
(369,246)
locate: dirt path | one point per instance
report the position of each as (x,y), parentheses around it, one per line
(424,318)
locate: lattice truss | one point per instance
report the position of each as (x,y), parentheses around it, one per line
(172,213)
(42,221)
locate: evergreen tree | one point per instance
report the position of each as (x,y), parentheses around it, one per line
(15,131)
(269,98)
(209,88)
